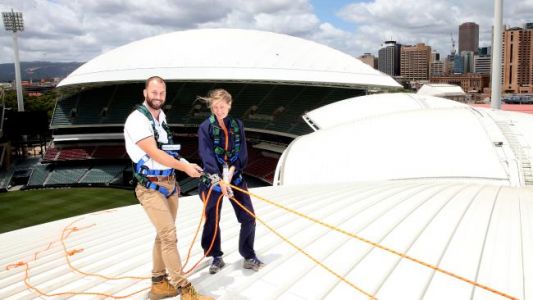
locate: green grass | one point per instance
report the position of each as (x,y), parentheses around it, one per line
(26,208)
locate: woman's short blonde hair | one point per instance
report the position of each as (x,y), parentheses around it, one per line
(216,95)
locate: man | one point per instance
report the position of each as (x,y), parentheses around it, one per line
(149,145)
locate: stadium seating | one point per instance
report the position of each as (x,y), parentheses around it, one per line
(39,175)
(65,175)
(5,179)
(189,148)
(76,153)
(103,174)
(262,168)
(91,104)
(109,152)
(51,154)
(62,111)
(119,100)
(80,153)
(189,186)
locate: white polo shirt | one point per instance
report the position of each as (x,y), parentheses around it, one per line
(138,127)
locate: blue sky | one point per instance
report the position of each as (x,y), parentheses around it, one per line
(327,12)
(66,30)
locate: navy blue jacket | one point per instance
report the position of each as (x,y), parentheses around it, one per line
(206,148)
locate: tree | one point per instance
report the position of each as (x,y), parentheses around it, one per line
(45,102)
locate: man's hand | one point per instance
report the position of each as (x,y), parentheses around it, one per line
(193,170)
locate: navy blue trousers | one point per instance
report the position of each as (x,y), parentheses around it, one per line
(247,232)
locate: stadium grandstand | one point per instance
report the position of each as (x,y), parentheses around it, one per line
(274,79)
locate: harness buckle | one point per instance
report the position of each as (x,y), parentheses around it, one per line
(214,178)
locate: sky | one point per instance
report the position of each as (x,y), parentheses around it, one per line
(79,30)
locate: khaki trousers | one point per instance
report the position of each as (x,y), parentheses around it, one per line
(162,213)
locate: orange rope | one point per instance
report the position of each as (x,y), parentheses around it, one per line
(196,234)
(390,250)
(205,200)
(47,248)
(40,292)
(67,254)
(69,230)
(328,269)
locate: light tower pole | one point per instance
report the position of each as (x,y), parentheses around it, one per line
(497,45)
(13,22)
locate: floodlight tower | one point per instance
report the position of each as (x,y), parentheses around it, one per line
(496,76)
(13,22)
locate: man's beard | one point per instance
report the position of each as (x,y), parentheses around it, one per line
(152,103)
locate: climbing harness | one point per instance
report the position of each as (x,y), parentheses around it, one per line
(221,153)
(141,171)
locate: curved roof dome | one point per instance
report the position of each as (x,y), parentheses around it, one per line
(413,136)
(365,107)
(229,55)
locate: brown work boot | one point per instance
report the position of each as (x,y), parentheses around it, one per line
(162,289)
(188,292)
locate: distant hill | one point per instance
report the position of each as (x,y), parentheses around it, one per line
(38,70)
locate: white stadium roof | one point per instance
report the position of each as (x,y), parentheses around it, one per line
(358,108)
(441,90)
(483,233)
(229,55)
(431,179)
(404,136)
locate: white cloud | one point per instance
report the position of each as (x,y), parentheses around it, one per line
(66,30)
(427,21)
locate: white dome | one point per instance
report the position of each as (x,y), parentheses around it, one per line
(364,107)
(229,55)
(400,136)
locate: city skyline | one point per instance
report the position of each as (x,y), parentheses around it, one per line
(63,31)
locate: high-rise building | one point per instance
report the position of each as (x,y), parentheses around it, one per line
(414,62)
(458,65)
(483,61)
(448,64)
(468,37)
(436,68)
(369,59)
(482,64)
(468,61)
(485,51)
(389,58)
(518,60)
(435,56)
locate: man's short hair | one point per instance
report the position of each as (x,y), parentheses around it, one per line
(157,78)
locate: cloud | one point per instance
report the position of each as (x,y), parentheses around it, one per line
(427,21)
(66,30)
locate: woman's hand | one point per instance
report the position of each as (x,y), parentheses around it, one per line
(224,188)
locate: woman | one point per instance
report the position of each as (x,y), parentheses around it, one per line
(222,143)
